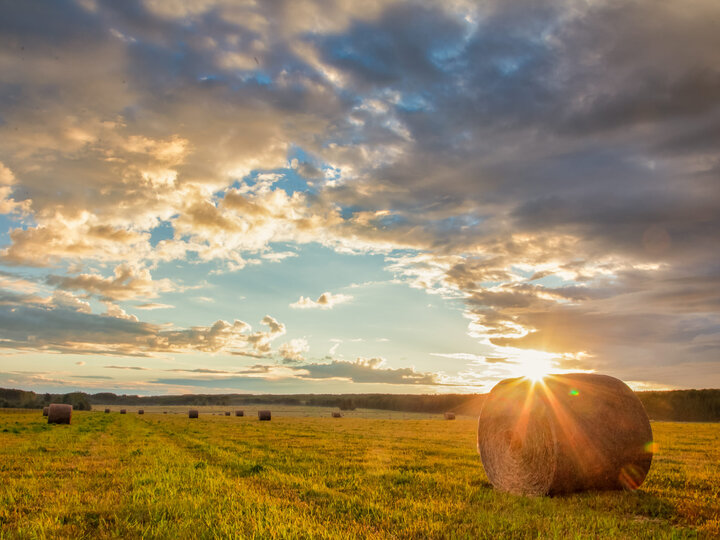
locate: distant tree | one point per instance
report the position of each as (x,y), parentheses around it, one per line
(346,404)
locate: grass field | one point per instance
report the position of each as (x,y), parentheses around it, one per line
(306,475)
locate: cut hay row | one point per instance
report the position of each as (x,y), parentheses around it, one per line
(449,416)
(59,413)
(568,433)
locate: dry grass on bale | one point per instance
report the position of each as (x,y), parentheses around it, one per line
(569,433)
(336,414)
(59,413)
(449,416)
(239,413)
(193,413)
(264,415)
(45,411)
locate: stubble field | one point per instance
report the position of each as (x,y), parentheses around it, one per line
(369,474)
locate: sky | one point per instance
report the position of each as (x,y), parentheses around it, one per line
(341,197)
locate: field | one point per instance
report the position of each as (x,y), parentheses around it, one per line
(370,474)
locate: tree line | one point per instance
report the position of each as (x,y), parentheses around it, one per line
(675,405)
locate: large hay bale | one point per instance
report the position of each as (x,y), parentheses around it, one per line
(264,415)
(107,411)
(449,416)
(193,413)
(336,414)
(123,411)
(568,433)
(141,411)
(239,413)
(45,411)
(59,413)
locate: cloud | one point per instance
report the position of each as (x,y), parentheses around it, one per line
(62,323)
(326,300)
(360,371)
(553,166)
(367,370)
(153,305)
(460,356)
(127,282)
(201,370)
(293,350)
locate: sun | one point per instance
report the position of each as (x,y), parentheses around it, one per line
(534,365)
(536,372)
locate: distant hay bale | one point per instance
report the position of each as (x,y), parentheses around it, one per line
(336,414)
(192,413)
(263,415)
(570,433)
(45,411)
(141,411)
(107,411)
(239,413)
(227,413)
(123,411)
(59,413)
(449,416)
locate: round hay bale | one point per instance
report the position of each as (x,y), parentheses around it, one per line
(141,411)
(264,415)
(45,411)
(336,414)
(107,411)
(449,416)
(227,413)
(239,413)
(569,433)
(59,413)
(193,413)
(123,411)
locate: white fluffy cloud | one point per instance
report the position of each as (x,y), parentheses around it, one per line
(326,300)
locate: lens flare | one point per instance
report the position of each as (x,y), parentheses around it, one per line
(652,447)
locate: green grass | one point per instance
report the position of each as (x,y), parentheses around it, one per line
(312,476)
